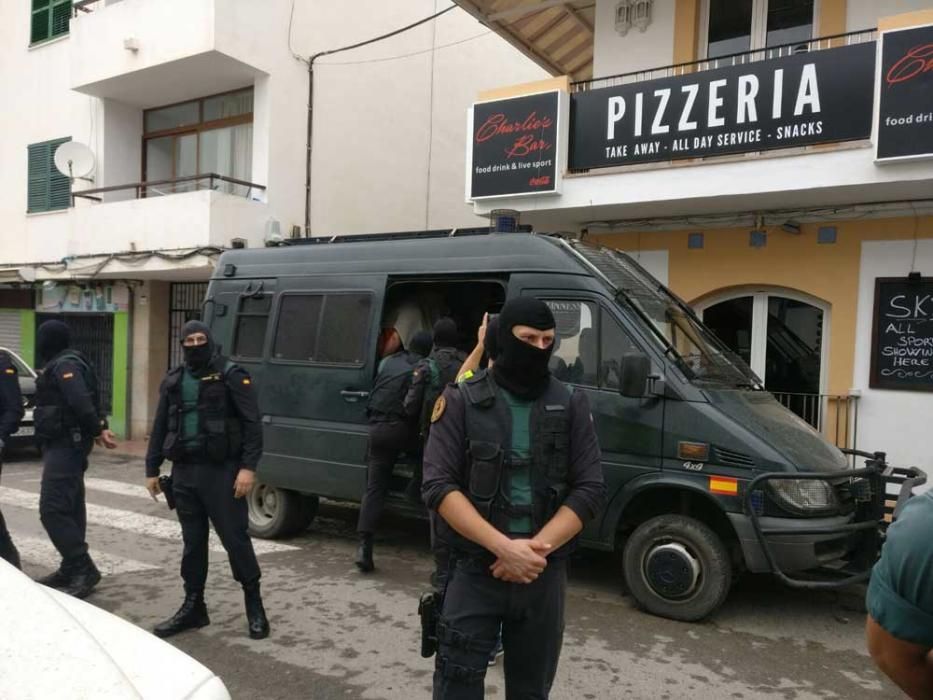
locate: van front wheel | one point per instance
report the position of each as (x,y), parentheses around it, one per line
(275,512)
(677,567)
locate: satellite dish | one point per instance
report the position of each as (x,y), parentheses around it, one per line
(75,160)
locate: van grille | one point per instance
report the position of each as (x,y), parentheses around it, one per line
(729,458)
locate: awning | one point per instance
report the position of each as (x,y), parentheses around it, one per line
(555,34)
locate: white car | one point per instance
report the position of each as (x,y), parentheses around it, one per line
(55,646)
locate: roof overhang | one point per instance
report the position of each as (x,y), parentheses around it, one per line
(555,34)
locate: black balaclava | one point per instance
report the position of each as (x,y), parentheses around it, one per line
(51,338)
(198,356)
(445,333)
(420,343)
(491,341)
(522,368)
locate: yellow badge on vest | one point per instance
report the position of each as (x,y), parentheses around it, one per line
(439,406)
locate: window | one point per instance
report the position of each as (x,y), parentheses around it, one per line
(209,135)
(46,189)
(50,19)
(327,329)
(588,352)
(614,344)
(251,322)
(735,26)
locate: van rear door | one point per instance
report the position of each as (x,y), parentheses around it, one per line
(318,372)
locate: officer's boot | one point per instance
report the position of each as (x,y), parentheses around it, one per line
(84,577)
(364,554)
(255,612)
(60,578)
(191,615)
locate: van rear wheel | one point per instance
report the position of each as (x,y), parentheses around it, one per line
(677,567)
(276,512)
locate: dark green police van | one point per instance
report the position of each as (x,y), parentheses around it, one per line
(707,475)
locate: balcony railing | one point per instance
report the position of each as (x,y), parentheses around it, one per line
(734,59)
(189,183)
(834,415)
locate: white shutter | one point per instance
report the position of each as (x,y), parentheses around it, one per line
(10,330)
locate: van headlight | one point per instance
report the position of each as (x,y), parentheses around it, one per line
(806,496)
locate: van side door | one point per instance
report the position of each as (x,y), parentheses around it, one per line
(590,342)
(319,369)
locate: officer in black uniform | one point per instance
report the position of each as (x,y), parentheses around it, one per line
(68,420)
(390,434)
(512,466)
(11,413)
(208,425)
(429,378)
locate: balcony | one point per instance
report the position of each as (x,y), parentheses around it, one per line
(146,53)
(200,211)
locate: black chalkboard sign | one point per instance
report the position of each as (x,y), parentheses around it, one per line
(902,336)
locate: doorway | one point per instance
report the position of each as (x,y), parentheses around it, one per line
(783,337)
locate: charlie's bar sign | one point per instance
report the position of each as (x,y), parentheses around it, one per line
(795,100)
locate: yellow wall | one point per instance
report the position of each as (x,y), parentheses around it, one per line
(832,19)
(828,272)
(686,25)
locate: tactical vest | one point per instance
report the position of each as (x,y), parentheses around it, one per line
(219,434)
(385,401)
(53,418)
(489,462)
(442,365)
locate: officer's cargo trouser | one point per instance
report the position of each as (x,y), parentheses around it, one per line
(387,440)
(62,507)
(532,618)
(204,496)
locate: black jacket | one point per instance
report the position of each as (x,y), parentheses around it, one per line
(11,400)
(245,404)
(69,384)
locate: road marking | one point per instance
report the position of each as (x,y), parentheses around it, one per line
(144,525)
(120,488)
(40,551)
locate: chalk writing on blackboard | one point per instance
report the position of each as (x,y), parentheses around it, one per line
(902,338)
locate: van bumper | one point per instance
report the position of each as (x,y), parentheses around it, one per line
(794,552)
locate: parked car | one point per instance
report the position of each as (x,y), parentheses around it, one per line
(27,385)
(56,646)
(707,474)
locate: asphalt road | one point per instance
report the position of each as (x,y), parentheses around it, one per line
(339,634)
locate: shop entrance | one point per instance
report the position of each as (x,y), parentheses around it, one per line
(781,335)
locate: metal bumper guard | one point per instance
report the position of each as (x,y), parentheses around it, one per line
(873,514)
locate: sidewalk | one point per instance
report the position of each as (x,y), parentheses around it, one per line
(131,449)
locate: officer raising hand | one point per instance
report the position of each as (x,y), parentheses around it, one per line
(512,467)
(208,425)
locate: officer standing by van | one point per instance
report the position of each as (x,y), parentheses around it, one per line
(208,425)
(68,420)
(429,378)
(390,433)
(512,466)
(11,413)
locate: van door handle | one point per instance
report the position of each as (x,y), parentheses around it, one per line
(351,396)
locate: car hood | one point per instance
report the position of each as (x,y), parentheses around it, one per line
(783,430)
(50,641)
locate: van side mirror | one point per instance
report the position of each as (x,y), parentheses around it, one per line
(633,380)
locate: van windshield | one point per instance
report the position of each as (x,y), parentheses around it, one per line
(702,356)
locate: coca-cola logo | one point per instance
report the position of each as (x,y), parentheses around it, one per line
(915,62)
(525,141)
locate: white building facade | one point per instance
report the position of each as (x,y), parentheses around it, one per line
(187,123)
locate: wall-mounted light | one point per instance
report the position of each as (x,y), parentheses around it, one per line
(791,227)
(640,13)
(623,17)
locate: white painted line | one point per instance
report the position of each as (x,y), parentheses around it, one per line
(121,488)
(146,526)
(41,551)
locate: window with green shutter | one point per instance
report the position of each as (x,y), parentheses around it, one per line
(50,19)
(47,188)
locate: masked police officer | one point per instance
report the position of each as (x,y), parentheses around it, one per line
(68,420)
(512,466)
(390,433)
(208,424)
(11,413)
(429,378)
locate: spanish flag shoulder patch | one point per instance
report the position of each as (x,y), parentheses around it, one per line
(10,370)
(68,375)
(247,380)
(439,406)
